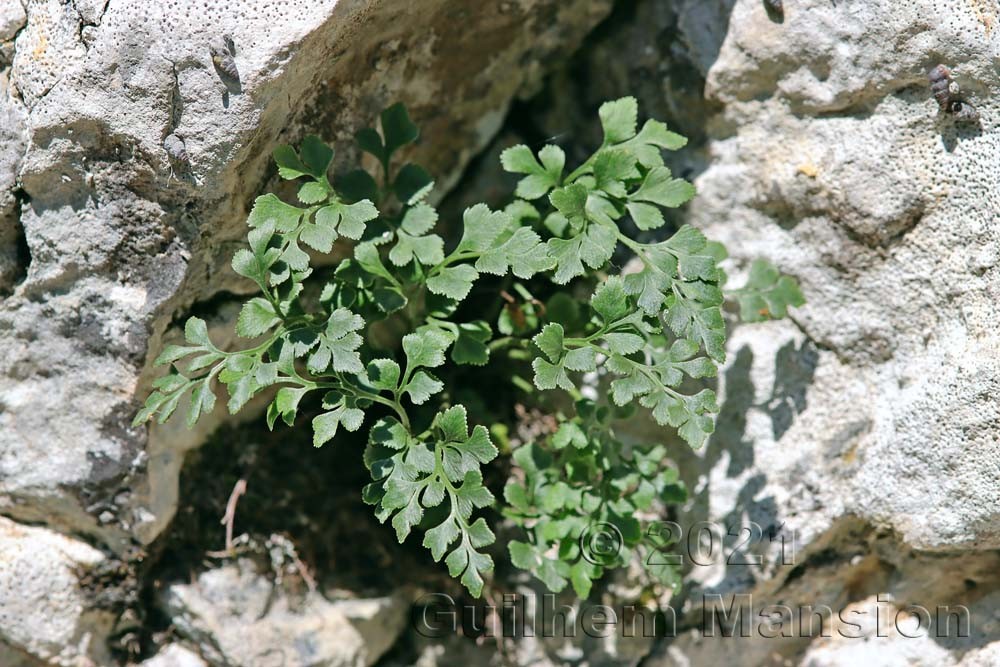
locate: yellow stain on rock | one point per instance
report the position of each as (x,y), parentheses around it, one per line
(809,169)
(986,13)
(43,44)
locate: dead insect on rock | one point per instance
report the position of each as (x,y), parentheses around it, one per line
(963,112)
(224,62)
(775,7)
(948,93)
(175,148)
(941,86)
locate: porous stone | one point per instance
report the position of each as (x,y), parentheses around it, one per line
(174,655)
(866,190)
(236,615)
(122,239)
(106,241)
(44,609)
(91,11)
(826,153)
(12,19)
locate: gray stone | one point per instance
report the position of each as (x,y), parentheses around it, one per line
(106,241)
(12,19)
(44,609)
(174,655)
(236,615)
(865,190)
(875,403)
(123,240)
(91,11)
(866,426)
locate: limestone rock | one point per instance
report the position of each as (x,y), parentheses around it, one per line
(44,610)
(123,240)
(13,141)
(893,638)
(237,616)
(867,187)
(175,655)
(816,143)
(12,19)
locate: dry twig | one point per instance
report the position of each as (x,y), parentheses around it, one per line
(229,518)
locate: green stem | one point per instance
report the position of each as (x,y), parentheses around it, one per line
(655,379)
(508,341)
(343,386)
(451,259)
(583,168)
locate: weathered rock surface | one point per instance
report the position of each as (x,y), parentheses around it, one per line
(887,211)
(44,610)
(105,238)
(875,404)
(175,655)
(867,426)
(239,616)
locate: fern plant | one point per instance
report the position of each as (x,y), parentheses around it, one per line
(370,337)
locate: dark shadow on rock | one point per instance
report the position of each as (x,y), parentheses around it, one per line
(753,525)
(795,369)
(747,532)
(775,10)
(15,255)
(731,425)
(954,131)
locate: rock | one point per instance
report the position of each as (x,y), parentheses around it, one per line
(12,19)
(47,47)
(91,11)
(528,625)
(896,189)
(236,615)
(13,141)
(12,657)
(855,589)
(119,240)
(379,621)
(827,154)
(44,610)
(882,633)
(174,655)
(448,651)
(982,657)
